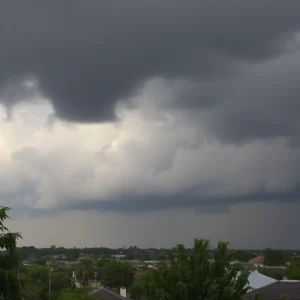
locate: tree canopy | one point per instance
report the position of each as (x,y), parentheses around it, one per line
(10,288)
(85,269)
(36,282)
(74,294)
(292,271)
(244,256)
(273,257)
(118,274)
(276,273)
(195,277)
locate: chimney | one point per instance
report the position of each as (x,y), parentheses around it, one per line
(123,292)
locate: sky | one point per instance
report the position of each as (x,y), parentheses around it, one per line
(151,123)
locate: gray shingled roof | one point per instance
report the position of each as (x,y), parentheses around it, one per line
(106,294)
(277,289)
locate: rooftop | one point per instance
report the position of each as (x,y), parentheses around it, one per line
(106,294)
(277,289)
(257,280)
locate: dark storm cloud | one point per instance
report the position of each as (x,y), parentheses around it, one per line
(87,55)
(201,205)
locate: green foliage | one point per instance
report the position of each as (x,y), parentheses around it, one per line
(160,257)
(136,290)
(40,262)
(85,269)
(292,272)
(193,277)
(73,254)
(74,294)
(118,274)
(244,256)
(273,257)
(10,288)
(36,282)
(272,272)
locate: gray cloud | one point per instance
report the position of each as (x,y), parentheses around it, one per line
(211,99)
(87,56)
(163,171)
(151,204)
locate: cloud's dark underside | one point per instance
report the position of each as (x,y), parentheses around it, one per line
(87,55)
(147,205)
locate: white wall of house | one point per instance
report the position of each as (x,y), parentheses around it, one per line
(123,292)
(92,284)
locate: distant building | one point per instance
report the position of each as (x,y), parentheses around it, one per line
(120,256)
(151,262)
(257,261)
(91,282)
(53,247)
(152,267)
(249,266)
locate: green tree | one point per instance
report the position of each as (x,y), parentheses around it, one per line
(36,282)
(136,290)
(40,261)
(85,269)
(194,277)
(118,274)
(74,294)
(244,256)
(160,257)
(73,254)
(10,288)
(273,257)
(275,273)
(292,272)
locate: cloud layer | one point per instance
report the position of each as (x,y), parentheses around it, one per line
(85,57)
(146,107)
(153,158)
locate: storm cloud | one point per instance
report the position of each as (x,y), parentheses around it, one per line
(149,107)
(87,56)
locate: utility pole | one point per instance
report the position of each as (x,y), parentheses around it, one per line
(50,270)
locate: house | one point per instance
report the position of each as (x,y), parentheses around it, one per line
(249,266)
(273,291)
(119,256)
(91,282)
(107,294)
(257,261)
(258,280)
(151,262)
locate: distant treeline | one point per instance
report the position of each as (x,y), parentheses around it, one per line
(133,252)
(74,253)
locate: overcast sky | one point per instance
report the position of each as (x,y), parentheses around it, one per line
(151,123)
